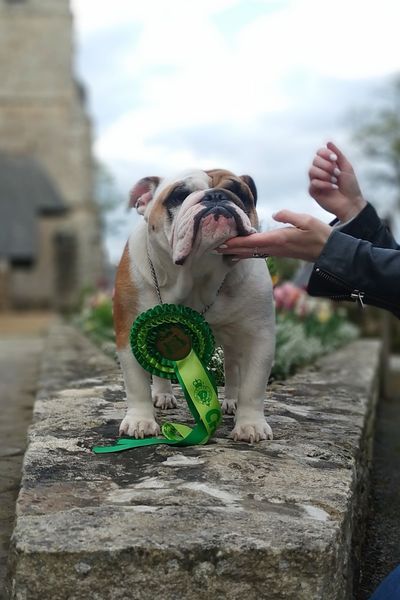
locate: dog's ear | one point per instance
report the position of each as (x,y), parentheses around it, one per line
(250,182)
(142,193)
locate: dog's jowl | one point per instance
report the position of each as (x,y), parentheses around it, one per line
(170,258)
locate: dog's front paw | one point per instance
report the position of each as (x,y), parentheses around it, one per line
(229,406)
(138,428)
(164,401)
(252,432)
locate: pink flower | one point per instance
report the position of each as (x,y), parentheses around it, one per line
(287,295)
(98,299)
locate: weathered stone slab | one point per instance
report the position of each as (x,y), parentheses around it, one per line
(274,520)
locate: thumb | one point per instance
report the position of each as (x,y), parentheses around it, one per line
(299,220)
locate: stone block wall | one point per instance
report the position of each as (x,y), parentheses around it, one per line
(280,519)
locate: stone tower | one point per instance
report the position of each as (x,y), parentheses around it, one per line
(43,118)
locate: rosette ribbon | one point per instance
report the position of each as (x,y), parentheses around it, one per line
(175,342)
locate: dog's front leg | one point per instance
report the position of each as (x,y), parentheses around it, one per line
(139,421)
(254,369)
(163,396)
(231,392)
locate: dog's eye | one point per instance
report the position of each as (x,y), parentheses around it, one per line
(176,197)
(236,188)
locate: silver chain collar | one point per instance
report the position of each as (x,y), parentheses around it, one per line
(158,291)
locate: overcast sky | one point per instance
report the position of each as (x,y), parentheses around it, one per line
(255,86)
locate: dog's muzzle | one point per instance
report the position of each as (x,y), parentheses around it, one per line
(217,203)
(217,213)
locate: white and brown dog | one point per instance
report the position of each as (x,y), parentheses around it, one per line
(185,219)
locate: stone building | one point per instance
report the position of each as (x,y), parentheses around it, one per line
(50,235)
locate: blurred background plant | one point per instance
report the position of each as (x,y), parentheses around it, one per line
(307,328)
(95,318)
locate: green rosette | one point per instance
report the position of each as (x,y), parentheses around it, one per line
(165,334)
(175,342)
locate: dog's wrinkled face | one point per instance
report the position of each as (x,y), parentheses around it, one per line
(197,211)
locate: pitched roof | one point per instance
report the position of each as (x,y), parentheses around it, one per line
(26,192)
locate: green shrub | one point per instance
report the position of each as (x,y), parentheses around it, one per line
(95,317)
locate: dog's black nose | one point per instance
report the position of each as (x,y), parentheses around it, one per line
(214,197)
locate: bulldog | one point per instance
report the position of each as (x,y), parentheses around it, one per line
(171,258)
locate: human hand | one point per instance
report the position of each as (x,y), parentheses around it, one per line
(333,183)
(305,240)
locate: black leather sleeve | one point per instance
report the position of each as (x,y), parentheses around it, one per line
(365,270)
(368,226)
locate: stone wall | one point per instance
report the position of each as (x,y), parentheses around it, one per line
(43,115)
(40,280)
(280,519)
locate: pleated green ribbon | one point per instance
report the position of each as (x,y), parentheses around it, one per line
(175,342)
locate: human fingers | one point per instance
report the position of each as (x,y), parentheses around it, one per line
(305,240)
(299,220)
(257,245)
(317,185)
(325,164)
(321,181)
(238,253)
(255,240)
(327,154)
(342,162)
(319,173)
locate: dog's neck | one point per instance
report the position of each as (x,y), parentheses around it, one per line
(196,283)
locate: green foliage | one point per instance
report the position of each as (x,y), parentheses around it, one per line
(377,133)
(286,267)
(216,366)
(299,342)
(95,317)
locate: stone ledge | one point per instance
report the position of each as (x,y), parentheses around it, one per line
(277,520)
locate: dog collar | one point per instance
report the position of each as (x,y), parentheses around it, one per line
(158,291)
